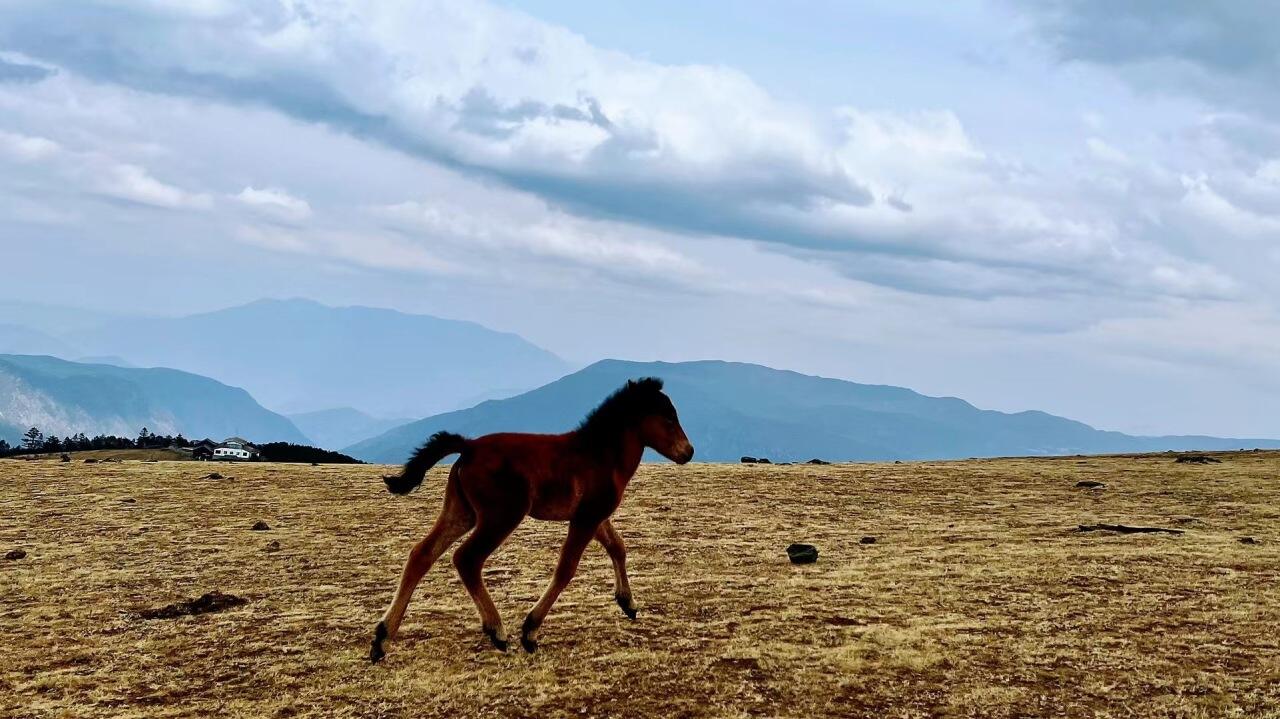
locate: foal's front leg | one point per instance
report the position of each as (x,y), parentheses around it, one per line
(612,542)
(580,535)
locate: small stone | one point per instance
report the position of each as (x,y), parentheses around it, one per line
(749,460)
(802,553)
(1089,484)
(815,460)
(867,540)
(273,546)
(1249,540)
(260,526)
(213,475)
(128,500)
(15,554)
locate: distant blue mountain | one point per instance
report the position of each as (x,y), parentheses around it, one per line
(732,409)
(337,428)
(20,339)
(62,398)
(302,356)
(56,320)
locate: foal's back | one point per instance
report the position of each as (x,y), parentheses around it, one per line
(542,474)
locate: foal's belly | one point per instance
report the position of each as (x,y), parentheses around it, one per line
(563,500)
(555,500)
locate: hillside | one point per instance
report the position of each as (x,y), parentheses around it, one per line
(302,356)
(733,409)
(63,398)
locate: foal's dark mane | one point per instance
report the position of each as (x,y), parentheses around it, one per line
(618,411)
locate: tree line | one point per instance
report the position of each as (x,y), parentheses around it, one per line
(35,442)
(289,452)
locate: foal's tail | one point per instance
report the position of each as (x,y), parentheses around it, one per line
(441,445)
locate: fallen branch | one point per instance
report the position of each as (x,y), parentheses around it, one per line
(1125,529)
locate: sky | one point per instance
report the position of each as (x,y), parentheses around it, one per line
(1070,205)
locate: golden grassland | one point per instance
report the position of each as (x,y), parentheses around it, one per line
(976,600)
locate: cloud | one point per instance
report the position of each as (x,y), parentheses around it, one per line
(523,227)
(133,183)
(98,174)
(885,196)
(275,203)
(368,250)
(1039,219)
(315,193)
(22,72)
(1226,52)
(27,148)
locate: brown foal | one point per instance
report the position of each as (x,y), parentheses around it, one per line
(578,477)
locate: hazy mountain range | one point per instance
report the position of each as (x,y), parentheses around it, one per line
(62,398)
(301,356)
(731,409)
(342,371)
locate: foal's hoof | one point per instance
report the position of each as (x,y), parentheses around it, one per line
(376,652)
(499,642)
(526,634)
(628,606)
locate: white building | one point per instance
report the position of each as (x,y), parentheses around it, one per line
(235,449)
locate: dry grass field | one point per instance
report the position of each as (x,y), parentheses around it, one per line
(976,600)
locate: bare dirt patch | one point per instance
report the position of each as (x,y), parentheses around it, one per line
(205,603)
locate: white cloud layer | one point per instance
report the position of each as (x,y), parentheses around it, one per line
(470,160)
(275,202)
(882,196)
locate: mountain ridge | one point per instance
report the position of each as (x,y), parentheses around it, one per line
(299,356)
(730,409)
(62,397)
(339,427)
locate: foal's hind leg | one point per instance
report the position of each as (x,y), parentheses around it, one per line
(491,531)
(455,520)
(574,544)
(612,541)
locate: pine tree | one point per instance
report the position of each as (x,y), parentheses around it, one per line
(33,439)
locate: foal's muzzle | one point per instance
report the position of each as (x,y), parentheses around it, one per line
(684,455)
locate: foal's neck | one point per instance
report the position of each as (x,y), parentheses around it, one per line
(620,451)
(632,451)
